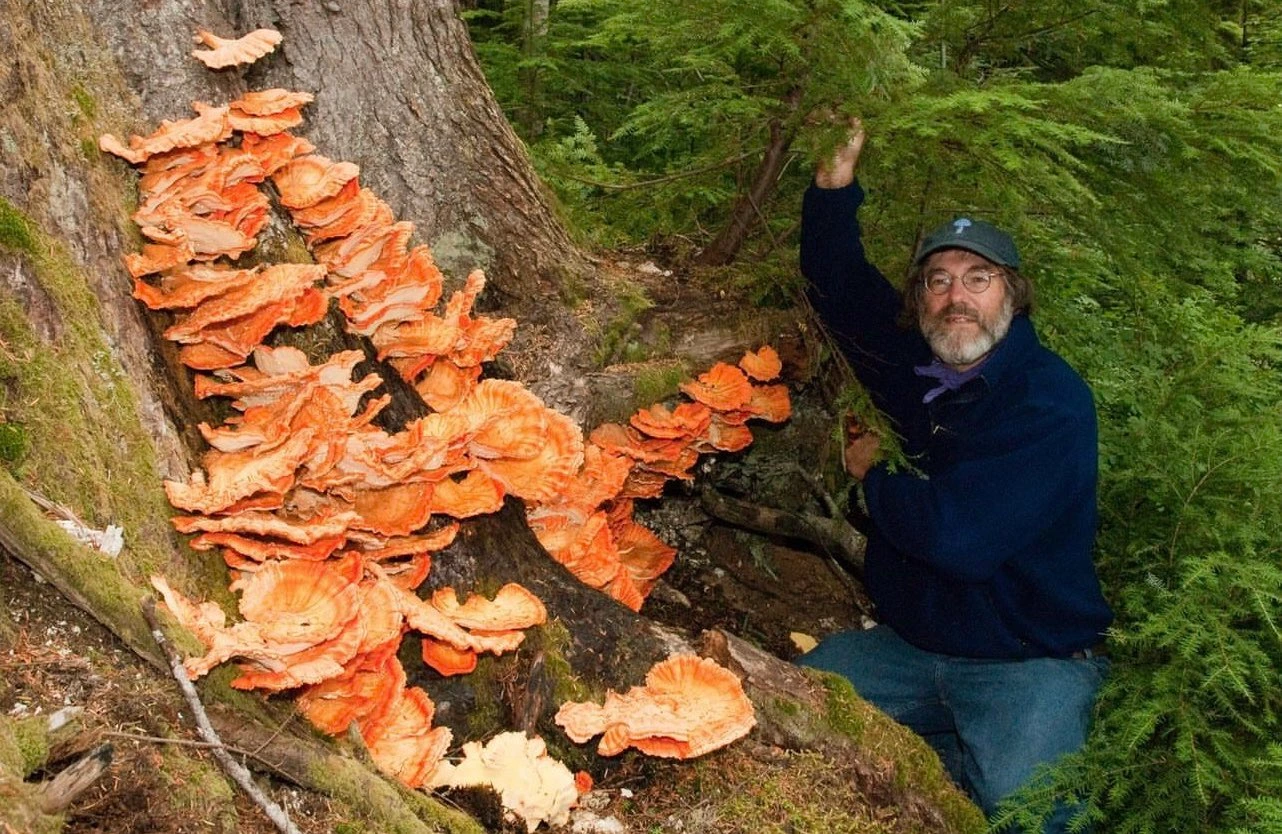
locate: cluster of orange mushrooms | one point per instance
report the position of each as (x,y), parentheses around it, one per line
(328,523)
(588,526)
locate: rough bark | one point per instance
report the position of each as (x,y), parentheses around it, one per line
(399,92)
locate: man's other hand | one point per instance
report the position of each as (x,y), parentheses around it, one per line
(839,171)
(863,449)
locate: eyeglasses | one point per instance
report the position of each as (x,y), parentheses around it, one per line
(940,281)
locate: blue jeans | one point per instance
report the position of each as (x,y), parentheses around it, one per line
(991,721)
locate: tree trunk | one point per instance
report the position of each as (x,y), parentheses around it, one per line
(748,211)
(536,15)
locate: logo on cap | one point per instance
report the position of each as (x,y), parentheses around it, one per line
(959,225)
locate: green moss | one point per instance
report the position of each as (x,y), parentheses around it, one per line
(657,383)
(13,444)
(24,744)
(786,707)
(84,101)
(732,793)
(389,809)
(198,790)
(917,765)
(620,340)
(485,718)
(15,229)
(86,446)
(65,563)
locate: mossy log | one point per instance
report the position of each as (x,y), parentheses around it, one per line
(801,709)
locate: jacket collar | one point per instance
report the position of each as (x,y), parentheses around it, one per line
(1011,352)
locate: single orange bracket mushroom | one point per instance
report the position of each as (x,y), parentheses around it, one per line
(689,706)
(229,52)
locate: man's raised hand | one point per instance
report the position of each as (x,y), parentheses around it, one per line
(839,171)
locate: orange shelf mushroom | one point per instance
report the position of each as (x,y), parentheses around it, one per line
(689,706)
(224,52)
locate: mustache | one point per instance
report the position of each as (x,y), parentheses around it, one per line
(958,308)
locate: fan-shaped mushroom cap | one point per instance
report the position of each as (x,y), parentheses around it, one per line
(724,436)
(404,744)
(307,180)
(531,784)
(342,216)
(476,494)
(644,555)
(270,102)
(203,356)
(483,339)
(370,686)
(299,602)
(446,660)
(157,257)
(397,510)
(209,125)
(224,52)
(446,385)
(279,282)
(383,247)
(686,421)
(545,475)
(722,388)
(602,476)
(689,706)
(236,475)
(769,402)
(207,621)
(586,550)
(275,151)
(381,619)
(513,607)
(407,545)
(262,550)
(325,524)
(311,665)
(264,125)
(763,366)
(624,591)
(643,483)
(191,286)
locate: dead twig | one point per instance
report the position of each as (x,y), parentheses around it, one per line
(834,536)
(237,771)
(187,742)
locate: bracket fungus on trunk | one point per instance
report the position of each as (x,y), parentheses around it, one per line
(328,523)
(688,706)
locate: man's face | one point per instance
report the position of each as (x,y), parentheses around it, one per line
(962,326)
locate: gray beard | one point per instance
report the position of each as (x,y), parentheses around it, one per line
(956,348)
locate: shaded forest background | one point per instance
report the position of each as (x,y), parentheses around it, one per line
(1135,151)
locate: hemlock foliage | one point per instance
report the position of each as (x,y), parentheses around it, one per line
(1135,151)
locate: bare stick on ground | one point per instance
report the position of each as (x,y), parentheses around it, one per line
(238,772)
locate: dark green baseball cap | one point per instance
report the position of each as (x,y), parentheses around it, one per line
(978,236)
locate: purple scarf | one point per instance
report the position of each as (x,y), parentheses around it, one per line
(949,379)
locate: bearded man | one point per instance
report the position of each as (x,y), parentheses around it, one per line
(979,563)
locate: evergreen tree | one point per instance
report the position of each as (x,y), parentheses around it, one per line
(1135,151)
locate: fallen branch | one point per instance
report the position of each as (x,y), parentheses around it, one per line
(186,742)
(237,771)
(834,536)
(58,793)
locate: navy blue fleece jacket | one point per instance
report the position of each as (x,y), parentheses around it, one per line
(989,554)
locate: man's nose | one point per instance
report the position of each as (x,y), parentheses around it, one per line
(957,290)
